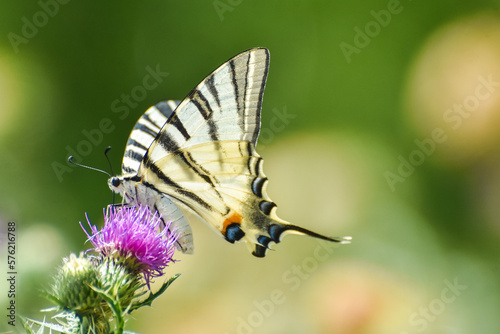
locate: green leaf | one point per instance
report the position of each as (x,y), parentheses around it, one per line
(152,296)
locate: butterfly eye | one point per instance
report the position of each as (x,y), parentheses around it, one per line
(115,182)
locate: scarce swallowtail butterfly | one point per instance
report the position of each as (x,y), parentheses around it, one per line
(199,155)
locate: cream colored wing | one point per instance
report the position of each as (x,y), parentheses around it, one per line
(224,183)
(203,157)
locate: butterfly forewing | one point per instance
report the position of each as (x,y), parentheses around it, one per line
(145,131)
(225,106)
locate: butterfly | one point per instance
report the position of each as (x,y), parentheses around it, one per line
(199,155)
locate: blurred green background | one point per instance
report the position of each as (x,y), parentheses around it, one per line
(392,137)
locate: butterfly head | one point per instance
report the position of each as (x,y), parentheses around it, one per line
(125,186)
(115,184)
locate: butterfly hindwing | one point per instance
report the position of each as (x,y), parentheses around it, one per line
(228,190)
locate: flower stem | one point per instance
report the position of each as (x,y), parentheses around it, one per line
(116,308)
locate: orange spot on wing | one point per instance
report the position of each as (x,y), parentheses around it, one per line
(233,218)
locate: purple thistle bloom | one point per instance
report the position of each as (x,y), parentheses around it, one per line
(135,234)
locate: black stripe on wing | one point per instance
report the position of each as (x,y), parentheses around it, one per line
(224,106)
(175,121)
(235,85)
(259,101)
(165,107)
(213,90)
(142,135)
(137,144)
(176,187)
(206,111)
(167,142)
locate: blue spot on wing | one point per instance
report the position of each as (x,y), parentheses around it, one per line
(264,241)
(266,207)
(275,232)
(234,232)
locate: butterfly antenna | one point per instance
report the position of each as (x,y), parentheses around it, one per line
(107,158)
(70,160)
(110,167)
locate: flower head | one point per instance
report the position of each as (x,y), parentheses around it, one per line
(135,234)
(73,283)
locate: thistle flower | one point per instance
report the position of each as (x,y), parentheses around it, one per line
(135,237)
(72,285)
(74,293)
(91,293)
